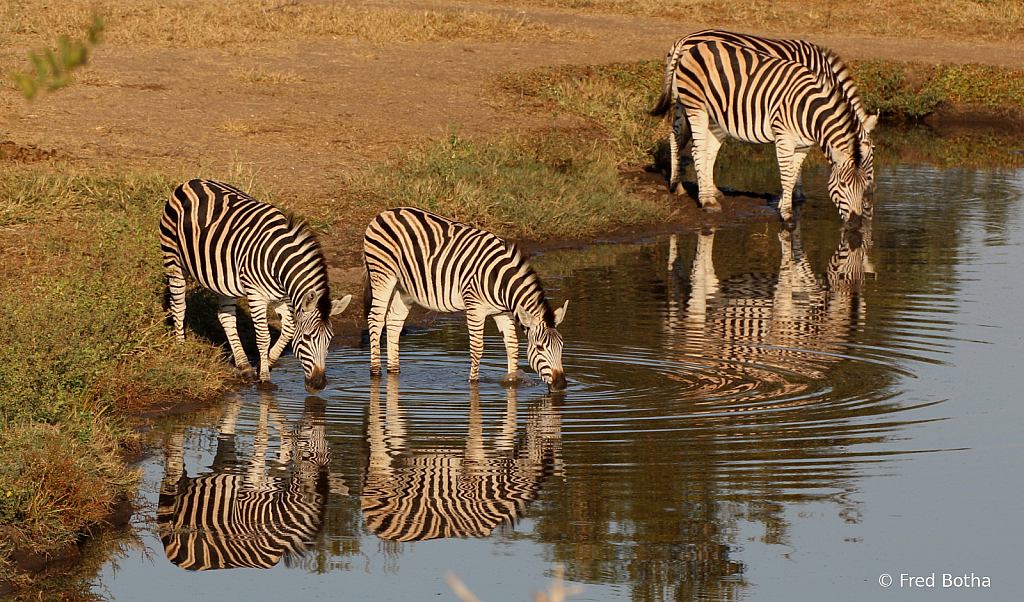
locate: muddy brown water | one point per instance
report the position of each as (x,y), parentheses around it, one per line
(752,413)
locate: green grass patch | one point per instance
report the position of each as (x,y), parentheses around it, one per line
(83,341)
(914,90)
(561,183)
(617,97)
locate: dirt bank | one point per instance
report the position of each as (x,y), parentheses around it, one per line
(331,106)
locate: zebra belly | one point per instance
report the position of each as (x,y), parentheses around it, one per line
(759,132)
(228,286)
(433,301)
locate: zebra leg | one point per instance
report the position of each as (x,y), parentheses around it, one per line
(380,299)
(176,286)
(791,157)
(226,315)
(258,312)
(475,321)
(397,313)
(508,332)
(677,142)
(287,332)
(706,142)
(798,190)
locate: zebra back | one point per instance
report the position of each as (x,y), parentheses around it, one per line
(440,262)
(827,66)
(230,243)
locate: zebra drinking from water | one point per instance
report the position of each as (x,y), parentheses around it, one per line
(822,62)
(415,256)
(730,90)
(237,247)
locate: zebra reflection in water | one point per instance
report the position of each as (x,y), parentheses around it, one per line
(247,513)
(467,488)
(757,331)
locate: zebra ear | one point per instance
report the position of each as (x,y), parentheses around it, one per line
(838,157)
(560,313)
(309,300)
(339,305)
(525,318)
(870,123)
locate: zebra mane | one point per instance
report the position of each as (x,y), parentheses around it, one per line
(304,236)
(851,126)
(848,91)
(516,252)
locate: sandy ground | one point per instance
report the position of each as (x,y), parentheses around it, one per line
(346,103)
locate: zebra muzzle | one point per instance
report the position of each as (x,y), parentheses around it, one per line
(316,381)
(557,381)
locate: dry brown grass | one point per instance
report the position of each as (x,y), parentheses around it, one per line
(262,76)
(241,23)
(993,20)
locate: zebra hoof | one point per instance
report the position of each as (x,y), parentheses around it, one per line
(247,373)
(266,385)
(715,207)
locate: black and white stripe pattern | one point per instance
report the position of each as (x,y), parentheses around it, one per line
(237,247)
(244,513)
(763,325)
(415,256)
(727,89)
(418,492)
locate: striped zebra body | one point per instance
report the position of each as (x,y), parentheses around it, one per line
(822,62)
(415,256)
(242,514)
(237,247)
(728,90)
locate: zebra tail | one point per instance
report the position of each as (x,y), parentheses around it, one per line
(663,105)
(367,293)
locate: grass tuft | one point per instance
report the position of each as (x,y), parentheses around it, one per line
(83,341)
(561,183)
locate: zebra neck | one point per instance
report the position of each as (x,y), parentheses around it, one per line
(298,266)
(836,133)
(533,302)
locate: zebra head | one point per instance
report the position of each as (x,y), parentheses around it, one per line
(847,184)
(544,345)
(313,333)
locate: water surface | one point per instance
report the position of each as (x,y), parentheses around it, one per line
(753,413)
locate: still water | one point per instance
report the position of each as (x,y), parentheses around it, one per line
(753,414)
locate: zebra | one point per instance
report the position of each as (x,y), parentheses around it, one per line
(247,513)
(731,90)
(415,256)
(825,64)
(237,246)
(465,488)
